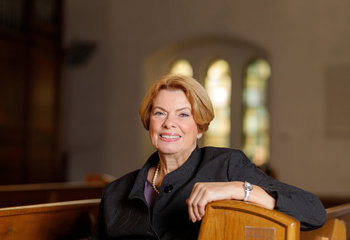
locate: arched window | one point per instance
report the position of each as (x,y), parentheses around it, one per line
(256,138)
(183,67)
(218,84)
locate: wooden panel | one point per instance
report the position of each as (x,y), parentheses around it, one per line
(43,122)
(341,212)
(30,66)
(64,220)
(238,220)
(16,195)
(333,229)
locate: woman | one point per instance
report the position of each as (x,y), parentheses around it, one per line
(166,198)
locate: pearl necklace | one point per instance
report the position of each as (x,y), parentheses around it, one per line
(154,178)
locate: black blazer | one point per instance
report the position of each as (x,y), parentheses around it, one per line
(125,214)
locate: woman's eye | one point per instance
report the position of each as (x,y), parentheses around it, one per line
(184,115)
(158,113)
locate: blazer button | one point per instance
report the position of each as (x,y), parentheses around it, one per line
(168,188)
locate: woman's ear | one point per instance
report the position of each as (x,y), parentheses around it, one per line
(199,135)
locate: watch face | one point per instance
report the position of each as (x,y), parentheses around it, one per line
(248,186)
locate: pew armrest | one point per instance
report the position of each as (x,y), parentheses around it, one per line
(229,219)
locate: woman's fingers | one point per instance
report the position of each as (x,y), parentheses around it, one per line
(203,193)
(200,205)
(198,200)
(192,201)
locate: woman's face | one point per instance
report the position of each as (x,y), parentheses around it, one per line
(172,128)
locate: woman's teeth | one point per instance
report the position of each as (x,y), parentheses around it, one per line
(169,136)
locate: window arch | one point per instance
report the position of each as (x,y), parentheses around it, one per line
(256,139)
(218,85)
(182,66)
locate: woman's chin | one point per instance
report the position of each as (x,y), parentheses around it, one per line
(169,149)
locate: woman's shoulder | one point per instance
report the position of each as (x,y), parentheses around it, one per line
(224,156)
(222,153)
(122,184)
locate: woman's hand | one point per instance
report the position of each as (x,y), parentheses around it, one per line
(205,192)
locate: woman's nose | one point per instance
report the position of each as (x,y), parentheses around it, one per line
(169,122)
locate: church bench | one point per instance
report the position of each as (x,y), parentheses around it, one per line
(26,194)
(226,219)
(333,229)
(341,212)
(61,220)
(336,227)
(229,219)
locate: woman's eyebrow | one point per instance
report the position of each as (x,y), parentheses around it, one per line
(159,108)
(184,108)
(178,110)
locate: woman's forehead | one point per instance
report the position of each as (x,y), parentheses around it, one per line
(171,98)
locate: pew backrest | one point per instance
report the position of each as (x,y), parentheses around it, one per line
(333,229)
(341,212)
(336,226)
(28,194)
(229,219)
(61,220)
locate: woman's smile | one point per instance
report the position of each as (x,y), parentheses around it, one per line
(170,137)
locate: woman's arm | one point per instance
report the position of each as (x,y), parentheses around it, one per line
(267,192)
(206,192)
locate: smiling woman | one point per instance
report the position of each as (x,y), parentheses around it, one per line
(166,198)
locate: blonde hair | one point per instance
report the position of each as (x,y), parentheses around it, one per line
(202,108)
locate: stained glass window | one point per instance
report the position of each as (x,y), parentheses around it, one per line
(256,138)
(183,67)
(218,84)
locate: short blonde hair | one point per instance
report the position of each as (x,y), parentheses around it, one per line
(202,108)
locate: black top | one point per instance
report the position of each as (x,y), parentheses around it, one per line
(124,213)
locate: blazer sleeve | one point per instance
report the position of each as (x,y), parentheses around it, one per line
(295,202)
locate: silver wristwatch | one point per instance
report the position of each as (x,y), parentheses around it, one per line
(247,188)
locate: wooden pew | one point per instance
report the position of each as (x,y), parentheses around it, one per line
(98,178)
(333,229)
(51,221)
(342,213)
(26,194)
(226,219)
(239,220)
(336,227)
(230,219)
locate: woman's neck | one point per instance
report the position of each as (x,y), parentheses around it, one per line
(171,162)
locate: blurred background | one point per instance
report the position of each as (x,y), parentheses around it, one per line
(73,73)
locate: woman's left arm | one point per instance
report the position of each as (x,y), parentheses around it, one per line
(267,192)
(205,192)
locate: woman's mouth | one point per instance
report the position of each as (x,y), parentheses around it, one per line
(170,137)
